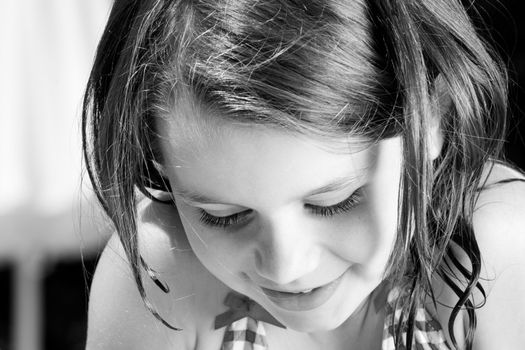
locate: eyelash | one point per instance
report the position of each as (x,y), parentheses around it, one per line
(342,207)
(223,221)
(338,208)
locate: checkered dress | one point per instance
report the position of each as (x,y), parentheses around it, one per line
(249,334)
(428,334)
(245,334)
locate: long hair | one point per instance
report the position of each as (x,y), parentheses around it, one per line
(323,68)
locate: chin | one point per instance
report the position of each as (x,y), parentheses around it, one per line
(311,321)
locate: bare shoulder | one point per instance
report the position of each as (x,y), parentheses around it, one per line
(499,219)
(118,317)
(499,226)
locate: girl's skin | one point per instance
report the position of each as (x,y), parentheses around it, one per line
(284,240)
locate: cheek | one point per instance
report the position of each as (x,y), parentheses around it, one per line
(219,251)
(366,237)
(383,219)
(354,237)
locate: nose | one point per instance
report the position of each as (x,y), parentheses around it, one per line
(285,253)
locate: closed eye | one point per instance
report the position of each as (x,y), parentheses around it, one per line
(223,221)
(325,211)
(342,207)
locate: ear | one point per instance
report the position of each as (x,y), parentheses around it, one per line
(441,104)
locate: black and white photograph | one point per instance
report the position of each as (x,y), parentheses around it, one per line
(262,174)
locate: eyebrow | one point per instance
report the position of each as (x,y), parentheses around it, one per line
(195,197)
(339,183)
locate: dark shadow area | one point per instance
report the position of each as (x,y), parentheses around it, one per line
(65,305)
(506,33)
(6,283)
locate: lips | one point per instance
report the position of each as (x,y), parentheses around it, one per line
(281,294)
(303,300)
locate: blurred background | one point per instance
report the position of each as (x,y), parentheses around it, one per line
(48,219)
(51,230)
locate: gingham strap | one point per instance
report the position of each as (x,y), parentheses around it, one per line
(428,334)
(245,334)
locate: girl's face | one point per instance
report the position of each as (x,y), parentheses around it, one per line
(302,229)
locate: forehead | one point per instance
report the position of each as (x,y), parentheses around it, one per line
(193,129)
(238,163)
(195,132)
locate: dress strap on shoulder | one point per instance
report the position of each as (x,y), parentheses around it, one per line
(428,333)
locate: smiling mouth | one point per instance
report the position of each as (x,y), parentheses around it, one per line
(280,294)
(303,300)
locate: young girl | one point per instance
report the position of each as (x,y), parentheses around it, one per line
(302,175)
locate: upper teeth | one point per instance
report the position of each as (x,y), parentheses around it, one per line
(307,291)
